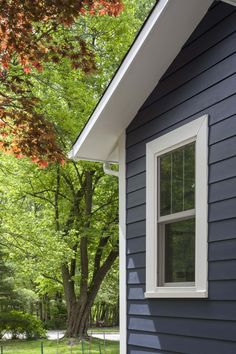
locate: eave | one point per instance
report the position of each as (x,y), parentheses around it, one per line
(162,37)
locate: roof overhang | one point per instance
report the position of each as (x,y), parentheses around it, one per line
(231,2)
(163,35)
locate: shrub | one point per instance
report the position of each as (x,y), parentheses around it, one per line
(20,324)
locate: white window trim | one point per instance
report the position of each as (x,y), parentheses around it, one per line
(197,131)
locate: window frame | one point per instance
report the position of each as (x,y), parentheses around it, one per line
(195,131)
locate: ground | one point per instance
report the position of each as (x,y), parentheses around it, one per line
(62,347)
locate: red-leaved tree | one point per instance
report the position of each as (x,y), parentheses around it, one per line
(28,40)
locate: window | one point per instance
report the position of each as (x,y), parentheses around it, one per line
(176,240)
(176,216)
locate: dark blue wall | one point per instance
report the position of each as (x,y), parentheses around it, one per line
(201,80)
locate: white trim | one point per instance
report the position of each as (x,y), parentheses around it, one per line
(176,216)
(176,293)
(189,284)
(109,171)
(165,32)
(196,130)
(121,72)
(122,245)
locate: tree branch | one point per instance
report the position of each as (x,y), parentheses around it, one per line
(52,278)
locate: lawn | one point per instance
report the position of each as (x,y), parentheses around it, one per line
(63,347)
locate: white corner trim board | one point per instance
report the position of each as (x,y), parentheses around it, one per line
(195,131)
(122,245)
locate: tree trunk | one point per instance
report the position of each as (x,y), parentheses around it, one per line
(78,309)
(78,319)
(79,306)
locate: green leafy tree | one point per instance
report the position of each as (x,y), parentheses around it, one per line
(8,297)
(65,226)
(60,223)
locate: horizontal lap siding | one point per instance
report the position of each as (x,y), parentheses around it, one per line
(191,309)
(202,80)
(184,327)
(186,344)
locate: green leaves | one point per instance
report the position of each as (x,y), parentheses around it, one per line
(33,34)
(45,214)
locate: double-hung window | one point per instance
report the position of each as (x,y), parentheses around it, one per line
(176,239)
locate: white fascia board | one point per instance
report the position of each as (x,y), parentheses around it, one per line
(162,37)
(231,2)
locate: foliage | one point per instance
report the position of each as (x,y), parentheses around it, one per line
(20,324)
(33,33)
(69,209)
(8,297)
(58,315)
(27,30)
(26,296)
(60,223)
(105,311)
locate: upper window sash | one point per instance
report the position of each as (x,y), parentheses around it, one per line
(176,180)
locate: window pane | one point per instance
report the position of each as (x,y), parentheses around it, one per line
(165,186)
(189,177)
(180,251)
(177,180)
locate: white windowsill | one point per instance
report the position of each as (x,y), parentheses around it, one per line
(162,292)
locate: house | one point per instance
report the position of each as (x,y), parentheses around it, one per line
(169,119)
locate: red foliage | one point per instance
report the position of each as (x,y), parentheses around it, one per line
(28,135)
(26,32)
(26,28)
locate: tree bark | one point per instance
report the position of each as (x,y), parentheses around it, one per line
(79,309)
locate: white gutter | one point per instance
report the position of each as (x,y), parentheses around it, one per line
(108,170)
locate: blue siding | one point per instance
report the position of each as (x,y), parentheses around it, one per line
(201,80)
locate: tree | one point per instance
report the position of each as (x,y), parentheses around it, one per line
(60,223)
(105,311)
(69,209)
(8,297)
(32,34)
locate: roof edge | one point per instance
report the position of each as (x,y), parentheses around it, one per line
(117,77)
(166,30)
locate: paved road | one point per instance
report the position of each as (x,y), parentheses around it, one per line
(53,335)
(115,336)
(107,336)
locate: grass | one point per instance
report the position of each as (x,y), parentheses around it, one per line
(63,347)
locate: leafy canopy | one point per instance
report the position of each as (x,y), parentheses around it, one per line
(34,33)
